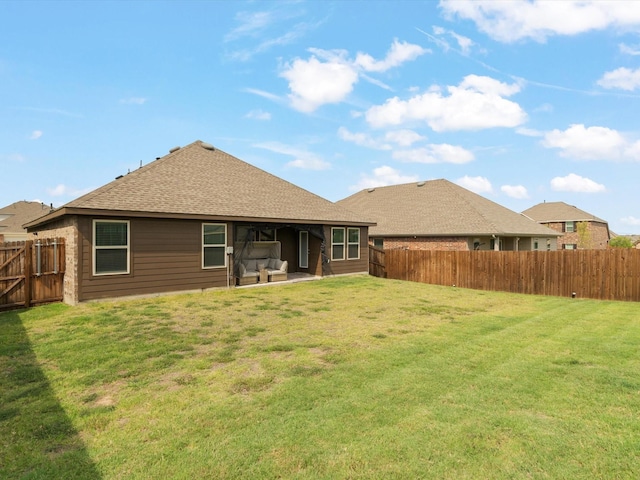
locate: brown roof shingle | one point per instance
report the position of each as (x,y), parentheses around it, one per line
(438,208)
(19,213)
(201,180)
(559,212)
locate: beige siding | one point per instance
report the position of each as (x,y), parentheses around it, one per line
(165,256)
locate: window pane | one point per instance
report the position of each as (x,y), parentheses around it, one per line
(354,235)
(337,252)
(338,235)
(214,256)
(354,251)
(111,234)
(214,235)
(113,260)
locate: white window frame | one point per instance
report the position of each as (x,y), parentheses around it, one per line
(343,243)
(216,245)
(353,243)
(566,226)
(111,247)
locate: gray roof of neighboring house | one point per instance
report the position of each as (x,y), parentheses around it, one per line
(559,212)
(19,213)
(201,181)
(438,208)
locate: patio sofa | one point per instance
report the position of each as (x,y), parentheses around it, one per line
(260,256)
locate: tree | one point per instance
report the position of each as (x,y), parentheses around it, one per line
(621,242)
(584,235)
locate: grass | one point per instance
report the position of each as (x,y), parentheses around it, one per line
(352,377)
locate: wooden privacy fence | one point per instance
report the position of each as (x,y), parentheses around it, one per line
(376,262)
(612,274)
(31,272)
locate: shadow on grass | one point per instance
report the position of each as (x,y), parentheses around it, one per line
(37,439)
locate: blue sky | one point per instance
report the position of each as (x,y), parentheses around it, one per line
(521,101)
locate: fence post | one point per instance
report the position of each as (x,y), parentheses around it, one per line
(27,272)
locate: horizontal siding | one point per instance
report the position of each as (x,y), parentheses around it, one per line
(165,256)
(342,267)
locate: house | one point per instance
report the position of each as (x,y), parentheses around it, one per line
(439,215)
(188,220)
(14,216)
(578,229)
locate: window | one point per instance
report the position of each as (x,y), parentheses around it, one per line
(214,245)
(535,244)
(110,247)
(353,243)
(570,246)
(569,227)
(378,242)
(337,243)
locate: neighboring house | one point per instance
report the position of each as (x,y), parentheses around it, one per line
(184,222)
(439,215)
(579,229)
(14,216)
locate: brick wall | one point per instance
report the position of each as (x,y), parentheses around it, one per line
(426,243)
(598,236)
(66,228)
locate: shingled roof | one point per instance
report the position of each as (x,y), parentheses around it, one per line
(200,181)
(14,216)
(559,212)
(438,208)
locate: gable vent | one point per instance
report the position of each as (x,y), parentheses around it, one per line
(174,149)
(208,146)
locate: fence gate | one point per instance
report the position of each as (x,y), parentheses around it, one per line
(376,262)
(31,272)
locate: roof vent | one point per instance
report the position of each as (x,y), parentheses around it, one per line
(371,190)
(174,149)
(421,184)
(208,146)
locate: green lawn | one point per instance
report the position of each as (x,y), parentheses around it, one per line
(351,377)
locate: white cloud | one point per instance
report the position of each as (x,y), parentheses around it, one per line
(435,153)
(329,76)
(362,139)
(35,135)
(630,221)
(399,53)
(509,21)
(529,132)
(515,191)
(133,101)
(301,158)
(258,115)
(477,103)
(475,184)
(464,43)
(314,83)
(576,183)
(629,49)
(404,138)
(592,143)
(62,190)
(249,24)
(263,94)
(382,176)
(621,78)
